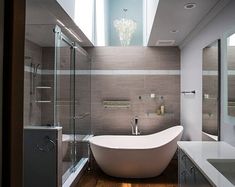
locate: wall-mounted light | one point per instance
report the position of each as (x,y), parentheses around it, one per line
(69,30)
(74,35)
(231,40)
(60,22)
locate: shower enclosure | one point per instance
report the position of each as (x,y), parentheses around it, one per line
(57,96)
(72,103)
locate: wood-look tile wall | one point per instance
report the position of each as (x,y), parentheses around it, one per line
(121,87)
(130,87)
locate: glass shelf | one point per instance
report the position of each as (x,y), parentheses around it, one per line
(167,114)
(43,87)
(231,103)
(43,101)
(210,98)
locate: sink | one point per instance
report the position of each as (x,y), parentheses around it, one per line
(226,167)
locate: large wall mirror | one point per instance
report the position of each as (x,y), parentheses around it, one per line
(231,74)
(211,92)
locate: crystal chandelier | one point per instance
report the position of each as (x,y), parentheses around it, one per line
(125,28)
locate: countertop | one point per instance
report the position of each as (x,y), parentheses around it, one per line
(199,152)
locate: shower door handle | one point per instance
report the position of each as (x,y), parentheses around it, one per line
(81,116)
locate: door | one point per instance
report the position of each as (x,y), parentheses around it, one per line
(64,101)
(82,105)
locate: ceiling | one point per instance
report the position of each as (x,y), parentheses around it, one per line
(171,15)
(42,35)
(41,17)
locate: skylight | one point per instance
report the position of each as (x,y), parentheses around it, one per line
(97,18)
(84,17)
(231,40)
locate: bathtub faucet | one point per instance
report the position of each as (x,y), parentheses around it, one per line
(134,126)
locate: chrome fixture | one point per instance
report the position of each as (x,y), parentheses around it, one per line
(34,68)
(189,92)
(134,126)
(82,116)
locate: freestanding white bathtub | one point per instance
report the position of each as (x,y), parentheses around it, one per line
(136,156)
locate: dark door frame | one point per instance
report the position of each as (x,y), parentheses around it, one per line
(13,91)
(1,81)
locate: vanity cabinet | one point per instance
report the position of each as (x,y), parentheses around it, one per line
(188,174)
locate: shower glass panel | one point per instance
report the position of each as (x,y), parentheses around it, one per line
(57,94)
(73,101)
(82,104)
(39,75)
(64,105)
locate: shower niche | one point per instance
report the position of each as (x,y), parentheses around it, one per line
(56,107)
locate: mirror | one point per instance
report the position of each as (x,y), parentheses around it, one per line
(211,92)
(231,74)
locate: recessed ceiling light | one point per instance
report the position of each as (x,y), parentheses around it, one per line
(174,31)
(189,6)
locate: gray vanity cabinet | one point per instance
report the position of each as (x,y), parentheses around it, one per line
(188,173)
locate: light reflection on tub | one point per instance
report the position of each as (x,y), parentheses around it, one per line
(136,156)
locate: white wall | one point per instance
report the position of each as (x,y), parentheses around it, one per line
(150,9)
(191,75)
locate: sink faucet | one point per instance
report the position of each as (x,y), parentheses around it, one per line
(134,126)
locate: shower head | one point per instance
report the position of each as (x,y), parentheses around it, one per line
(36,69)
(38,65)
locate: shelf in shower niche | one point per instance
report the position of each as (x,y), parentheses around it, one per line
(207,115)
(210,98)
(231,103)
(153,115)
(66,103)
(43,101)
(43,87)
(116,104)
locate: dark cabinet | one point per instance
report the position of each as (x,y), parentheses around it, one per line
(188,173)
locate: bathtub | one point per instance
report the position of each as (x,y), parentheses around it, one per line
(136,156)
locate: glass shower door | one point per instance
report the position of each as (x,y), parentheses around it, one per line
(82,95)
(72,103)
(64,102)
